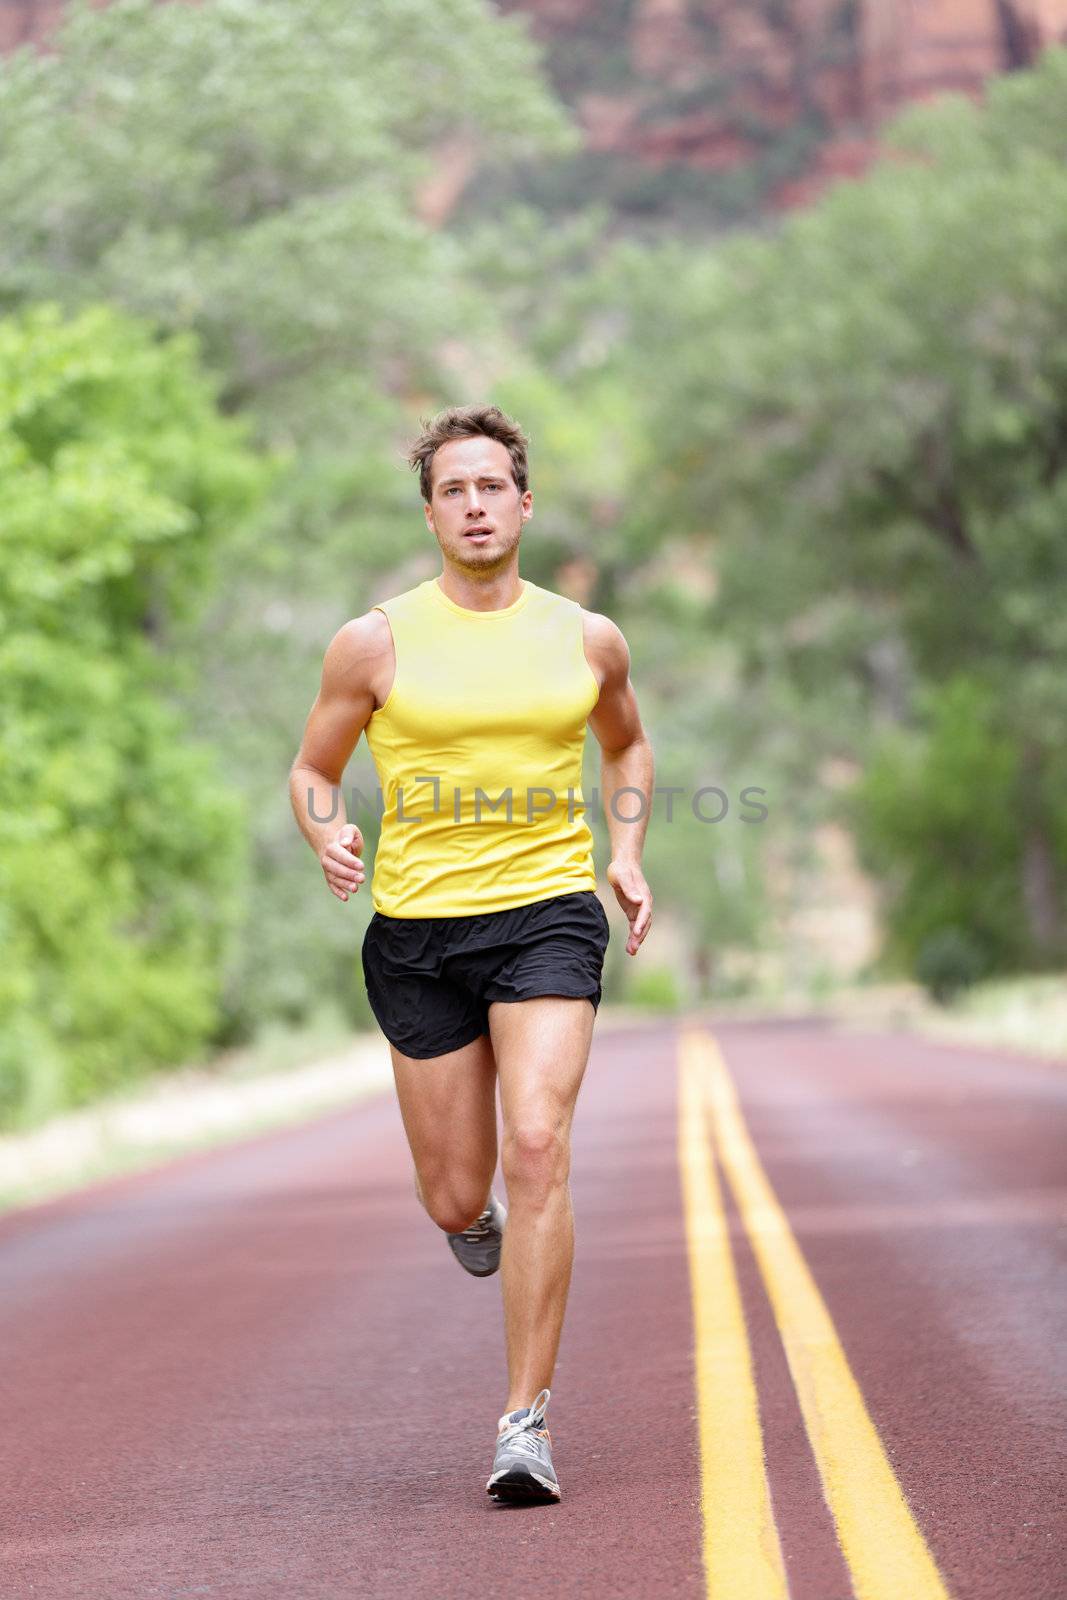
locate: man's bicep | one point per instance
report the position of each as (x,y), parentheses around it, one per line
(343,707)
(615,719)
(330,735)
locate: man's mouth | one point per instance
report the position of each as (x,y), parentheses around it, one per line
(471,533)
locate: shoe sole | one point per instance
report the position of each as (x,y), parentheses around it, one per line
(520,1488)
(486,1273)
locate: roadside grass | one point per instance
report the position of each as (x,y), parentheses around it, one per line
(1027,1014)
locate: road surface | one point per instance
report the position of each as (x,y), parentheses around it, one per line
(815,1348)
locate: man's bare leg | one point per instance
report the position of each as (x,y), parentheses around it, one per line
(448,1106)
(541,1049)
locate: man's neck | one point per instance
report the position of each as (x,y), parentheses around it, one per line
(491,593)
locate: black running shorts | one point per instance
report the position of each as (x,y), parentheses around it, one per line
(430,980)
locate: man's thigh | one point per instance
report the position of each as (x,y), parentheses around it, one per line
(541,1047)
(448,1107)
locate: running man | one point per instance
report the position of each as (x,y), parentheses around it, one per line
(484,955)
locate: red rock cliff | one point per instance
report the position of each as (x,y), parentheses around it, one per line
(705,82)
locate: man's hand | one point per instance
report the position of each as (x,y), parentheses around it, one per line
(635,897)
(341,862)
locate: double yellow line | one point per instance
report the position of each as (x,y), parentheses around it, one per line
(882,1545)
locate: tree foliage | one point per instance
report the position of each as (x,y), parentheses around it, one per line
(255,171)
(866,418)
(251,168)
(121,846)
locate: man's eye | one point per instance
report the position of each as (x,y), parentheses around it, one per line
(492,486)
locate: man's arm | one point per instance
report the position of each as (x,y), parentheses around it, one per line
(342,709)
(626,763)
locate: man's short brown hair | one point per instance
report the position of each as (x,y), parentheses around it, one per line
(468,422)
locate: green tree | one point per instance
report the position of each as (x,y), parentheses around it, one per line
(949,864)
(121,847)
(253,169)
(863,420)
(256,171)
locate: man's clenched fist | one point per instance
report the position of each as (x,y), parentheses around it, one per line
(341,861)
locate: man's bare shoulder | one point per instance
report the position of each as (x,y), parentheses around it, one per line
(363,633)
(360,650)
(606,649)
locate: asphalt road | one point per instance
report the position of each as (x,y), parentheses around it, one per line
(815,1348)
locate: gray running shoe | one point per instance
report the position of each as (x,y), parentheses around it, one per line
(477,1248)
(522,1467)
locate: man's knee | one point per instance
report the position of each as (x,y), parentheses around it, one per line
(535,1157)
(452,1200)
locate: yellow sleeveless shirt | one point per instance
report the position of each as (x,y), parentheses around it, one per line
(478,750)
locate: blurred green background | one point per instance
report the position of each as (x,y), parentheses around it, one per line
(812,457)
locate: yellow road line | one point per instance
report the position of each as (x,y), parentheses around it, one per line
(742,1556)
(884,1549)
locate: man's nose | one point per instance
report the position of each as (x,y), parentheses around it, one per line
(474,502)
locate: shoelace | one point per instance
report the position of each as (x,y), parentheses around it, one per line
(481,1227)
(520,1435)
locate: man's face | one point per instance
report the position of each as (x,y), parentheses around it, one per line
(476,510)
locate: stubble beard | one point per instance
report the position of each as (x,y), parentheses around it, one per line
(476,559)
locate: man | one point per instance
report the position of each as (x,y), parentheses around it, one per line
(484,955)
